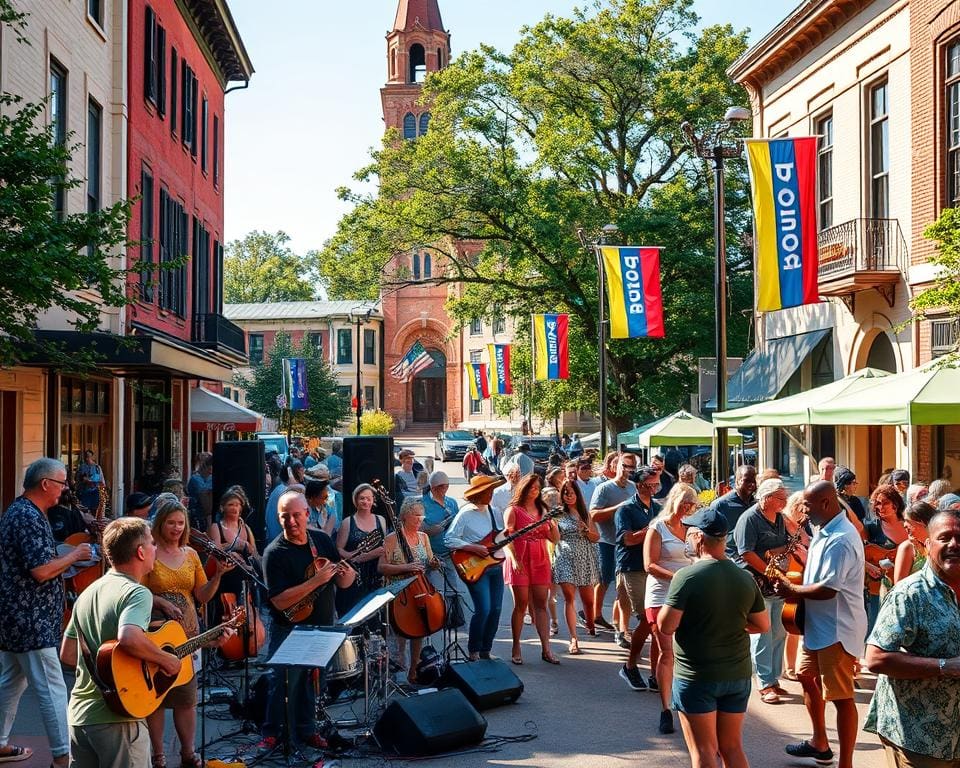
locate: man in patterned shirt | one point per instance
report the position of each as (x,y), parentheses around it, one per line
(915,648)
(31,603)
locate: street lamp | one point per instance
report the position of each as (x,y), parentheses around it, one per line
(716,145)
(359,317)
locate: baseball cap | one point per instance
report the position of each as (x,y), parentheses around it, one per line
(947,500)
(138,500)
(711,521)
(439,477)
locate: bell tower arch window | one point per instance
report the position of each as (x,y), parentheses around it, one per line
(416,265)
(409,126)
(424,123)
(427,265)
(418,64)
(439,58)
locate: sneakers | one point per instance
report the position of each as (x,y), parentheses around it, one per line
(633,678)
(581,619)
(266,745)
(803,749)
(622,640)
(316,741)
(602,622)
(652,685)
(666,722)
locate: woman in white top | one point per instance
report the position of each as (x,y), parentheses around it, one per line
(664,553)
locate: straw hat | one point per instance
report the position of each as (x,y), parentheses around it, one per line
(481,483)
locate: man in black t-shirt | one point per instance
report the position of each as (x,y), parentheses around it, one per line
(285,563)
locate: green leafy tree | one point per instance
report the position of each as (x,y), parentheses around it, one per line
(577,126)
(48,261)
(328,409)
(261,268)
(944,295)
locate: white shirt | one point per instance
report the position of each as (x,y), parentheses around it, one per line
(835,560)
(501,498)
(470,525)
(524,462)
(587,487)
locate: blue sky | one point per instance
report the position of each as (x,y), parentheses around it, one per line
(312,111)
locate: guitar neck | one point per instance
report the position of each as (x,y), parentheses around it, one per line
(526,529)
(195,643)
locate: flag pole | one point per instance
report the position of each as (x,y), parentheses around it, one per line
(602,334)
(533,369)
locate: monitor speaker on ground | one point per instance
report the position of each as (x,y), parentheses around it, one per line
(365,458)
(240,462)
(486,683)
(429,724)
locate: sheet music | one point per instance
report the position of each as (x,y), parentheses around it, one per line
(308,648)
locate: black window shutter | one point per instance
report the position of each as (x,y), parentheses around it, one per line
(150,55)
(183,269)
(173,89)
(161,70)
(184,99)
(193,112)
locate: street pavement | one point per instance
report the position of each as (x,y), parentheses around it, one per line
(580,714)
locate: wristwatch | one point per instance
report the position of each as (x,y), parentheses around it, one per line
(942,665)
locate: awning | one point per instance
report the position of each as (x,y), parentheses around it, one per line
(629,439)
(924,396)
(763,374)
(212,412)
(682,428)
(795,409)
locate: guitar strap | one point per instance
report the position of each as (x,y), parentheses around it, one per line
(89,663)
(493,520)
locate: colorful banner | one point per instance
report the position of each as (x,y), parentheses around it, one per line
(633,291)
(550,355)
(479,383)
(295,384)
(783,178)
(500,369)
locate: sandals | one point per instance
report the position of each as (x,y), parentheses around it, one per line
(554,628)
(574,648)
(549,658)
(16,754)
(769,696)
(158,761)
(191,762)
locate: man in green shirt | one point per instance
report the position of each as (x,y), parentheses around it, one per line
(115,607)
(711,606)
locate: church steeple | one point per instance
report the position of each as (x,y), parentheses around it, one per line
(411,13)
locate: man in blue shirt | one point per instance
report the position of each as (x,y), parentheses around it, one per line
(740,499)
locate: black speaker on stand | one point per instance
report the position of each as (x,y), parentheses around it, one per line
(366,458)
(241,462)
(429,724)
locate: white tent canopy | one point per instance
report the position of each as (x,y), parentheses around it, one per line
(216,413)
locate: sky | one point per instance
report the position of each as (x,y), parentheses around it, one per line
(312,111)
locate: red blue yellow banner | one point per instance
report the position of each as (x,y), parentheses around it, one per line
(500,369)
(633,291)
(479,383)
(550,354)
(783,178)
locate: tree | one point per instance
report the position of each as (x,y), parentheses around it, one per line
(262,268)
(49,261)
(577,126)
(944,295)
(327,407)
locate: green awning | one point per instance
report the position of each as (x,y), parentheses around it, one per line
(795,409)
(629,439)
(681,428)
(924,396)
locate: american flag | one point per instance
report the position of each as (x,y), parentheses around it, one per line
(412,363)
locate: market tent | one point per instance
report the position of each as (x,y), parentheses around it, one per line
(682,428)
(926,395)
(795,409)
(629,439)
(212,412)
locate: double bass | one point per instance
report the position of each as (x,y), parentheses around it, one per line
(419,610)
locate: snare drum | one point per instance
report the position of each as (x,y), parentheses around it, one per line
(347,662)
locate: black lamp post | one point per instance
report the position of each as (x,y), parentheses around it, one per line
(716,145)
(358,318)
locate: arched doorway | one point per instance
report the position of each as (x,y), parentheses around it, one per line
(430,390)
(881,441)
(881,354)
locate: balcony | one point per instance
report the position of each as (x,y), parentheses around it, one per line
(215,331)
(859,255)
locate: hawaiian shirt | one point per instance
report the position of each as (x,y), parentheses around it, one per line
(32,611)
(920,616)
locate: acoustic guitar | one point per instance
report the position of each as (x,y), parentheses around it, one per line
(471,566)
(134,687)
(875,554)
(792,617)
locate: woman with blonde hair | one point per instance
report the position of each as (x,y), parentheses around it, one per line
(664,553)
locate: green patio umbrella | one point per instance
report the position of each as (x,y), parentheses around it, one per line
(681,428)
(629,439)
(795,409)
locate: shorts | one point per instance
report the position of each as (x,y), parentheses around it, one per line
(608,562)
(182,697)
(651,613)
(633,584)
(834,666)
(700,697)
(898,757)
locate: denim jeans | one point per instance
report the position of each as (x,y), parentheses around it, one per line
(302,715)
(766,649)
(487,595)
(41,669)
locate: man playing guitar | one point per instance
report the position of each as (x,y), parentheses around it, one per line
(286,561)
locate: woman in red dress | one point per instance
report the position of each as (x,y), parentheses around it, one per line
(526,569)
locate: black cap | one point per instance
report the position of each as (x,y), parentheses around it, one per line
(711,521)
(642,474)
(138,500)
(900,476)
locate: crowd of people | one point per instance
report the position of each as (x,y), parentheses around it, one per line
(713,589)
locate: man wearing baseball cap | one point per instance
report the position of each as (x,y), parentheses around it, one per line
(709,606)
(439,510)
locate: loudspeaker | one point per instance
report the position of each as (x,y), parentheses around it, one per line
(366,458)
(241,462)
(429,724)
(486,683)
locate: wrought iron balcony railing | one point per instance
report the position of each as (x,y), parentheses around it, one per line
(214,329)
(861,254)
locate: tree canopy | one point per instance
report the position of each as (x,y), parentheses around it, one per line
(943,296)
(577,126)
(261,267)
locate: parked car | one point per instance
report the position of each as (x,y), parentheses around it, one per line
(274,441)
(452,445)
(540,449)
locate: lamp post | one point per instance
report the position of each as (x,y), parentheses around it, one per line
(358,318)
(716,145)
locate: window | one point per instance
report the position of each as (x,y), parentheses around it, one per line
(95,11)
(173,90)
(427,265)
(344,346)
(499,321)
(943,337)
(58,129)
(879,152)
(315,340)
(188,107)
(418,64)
(146,235)
(476,407)
(409,126)
(227,392)
(154,61)
(475,356)
(203,135)
(255,343)
(345,392)
(216,151)
(368,404)
(201,268)
(953,124)
(476,326)
(439,58)
(94,151)
(173,245)
(415,262)
(824,127)
(424,123)
(369,346)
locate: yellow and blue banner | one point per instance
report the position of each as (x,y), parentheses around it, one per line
(633,291)
(479,383)
(550,347)
(500,369)
(783,179)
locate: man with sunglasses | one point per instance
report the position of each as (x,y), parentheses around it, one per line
(31,602)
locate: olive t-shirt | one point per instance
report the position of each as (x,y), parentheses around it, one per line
(712,644)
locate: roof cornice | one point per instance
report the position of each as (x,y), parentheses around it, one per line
(218,32)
